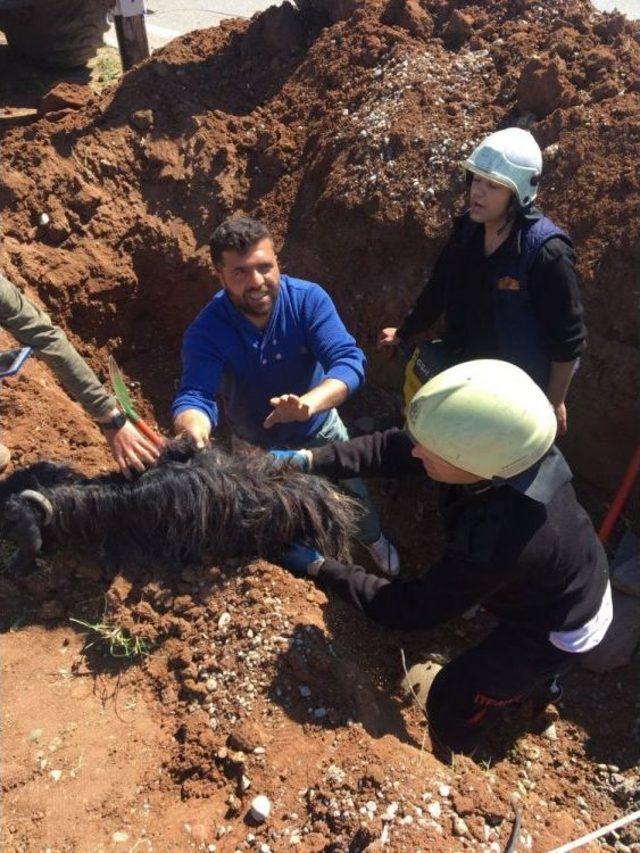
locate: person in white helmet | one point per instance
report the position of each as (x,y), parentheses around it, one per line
(505,281)
(516,541)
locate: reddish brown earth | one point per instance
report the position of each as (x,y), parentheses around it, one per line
(343,129)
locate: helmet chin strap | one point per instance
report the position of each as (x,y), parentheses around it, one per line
(513,209)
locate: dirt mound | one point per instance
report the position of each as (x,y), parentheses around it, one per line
(261,685)
(342,124)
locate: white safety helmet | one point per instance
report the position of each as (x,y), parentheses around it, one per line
(510,157)
(487,417)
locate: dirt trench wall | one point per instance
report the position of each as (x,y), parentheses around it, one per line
(342,125)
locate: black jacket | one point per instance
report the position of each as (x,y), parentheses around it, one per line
(464,285)
(524,548)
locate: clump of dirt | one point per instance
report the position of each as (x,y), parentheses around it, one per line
(342,124)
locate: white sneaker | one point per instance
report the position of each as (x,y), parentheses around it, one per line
(384,555)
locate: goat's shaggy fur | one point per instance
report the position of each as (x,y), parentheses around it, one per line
(195,505)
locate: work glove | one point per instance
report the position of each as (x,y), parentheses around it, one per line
(299,459)
(301,560)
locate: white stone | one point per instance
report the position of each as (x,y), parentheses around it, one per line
(435,810)
(459,826)
(444,790)
(224,620)
(390,812)
(120,837)
(56,775)
(260,808)
(44,219)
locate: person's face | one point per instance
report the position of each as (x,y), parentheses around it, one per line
(441,471)
(251,280)
(488,201)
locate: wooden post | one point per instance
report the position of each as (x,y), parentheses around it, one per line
(131,32)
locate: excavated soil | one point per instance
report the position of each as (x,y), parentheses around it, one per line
(341,125)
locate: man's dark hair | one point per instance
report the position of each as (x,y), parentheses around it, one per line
(238,234)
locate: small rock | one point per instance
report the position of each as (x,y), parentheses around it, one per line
(142,120)
(435,810)
(70,96)
(444,790)
(459,826)
(260,808)
(56,775)
(223,621)
(44,219)
(550,732)
(120,837)
(458,29)
(34,735)
(390,812)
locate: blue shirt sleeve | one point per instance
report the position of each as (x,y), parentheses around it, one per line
(329,341)
(202,367)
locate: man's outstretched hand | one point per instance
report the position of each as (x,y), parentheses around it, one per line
(287,408)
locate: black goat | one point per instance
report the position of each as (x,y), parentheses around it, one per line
(194,505)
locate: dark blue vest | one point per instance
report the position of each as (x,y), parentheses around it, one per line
(520,337)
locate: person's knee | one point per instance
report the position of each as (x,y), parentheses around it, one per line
(448,706)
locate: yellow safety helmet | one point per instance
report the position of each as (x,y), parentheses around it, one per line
(486,417)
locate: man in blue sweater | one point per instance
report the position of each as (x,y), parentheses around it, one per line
(274,349)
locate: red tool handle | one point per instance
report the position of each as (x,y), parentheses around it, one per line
(621,496)
(151,434)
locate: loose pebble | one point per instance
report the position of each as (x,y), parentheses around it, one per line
(390,812)
(120,837)
(260,808)
(435,810)
(459,826)
(444,790)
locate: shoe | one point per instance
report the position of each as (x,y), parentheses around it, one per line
(384,555)
(541,706)
(5,457)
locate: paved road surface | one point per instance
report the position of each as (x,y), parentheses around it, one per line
(167,19)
